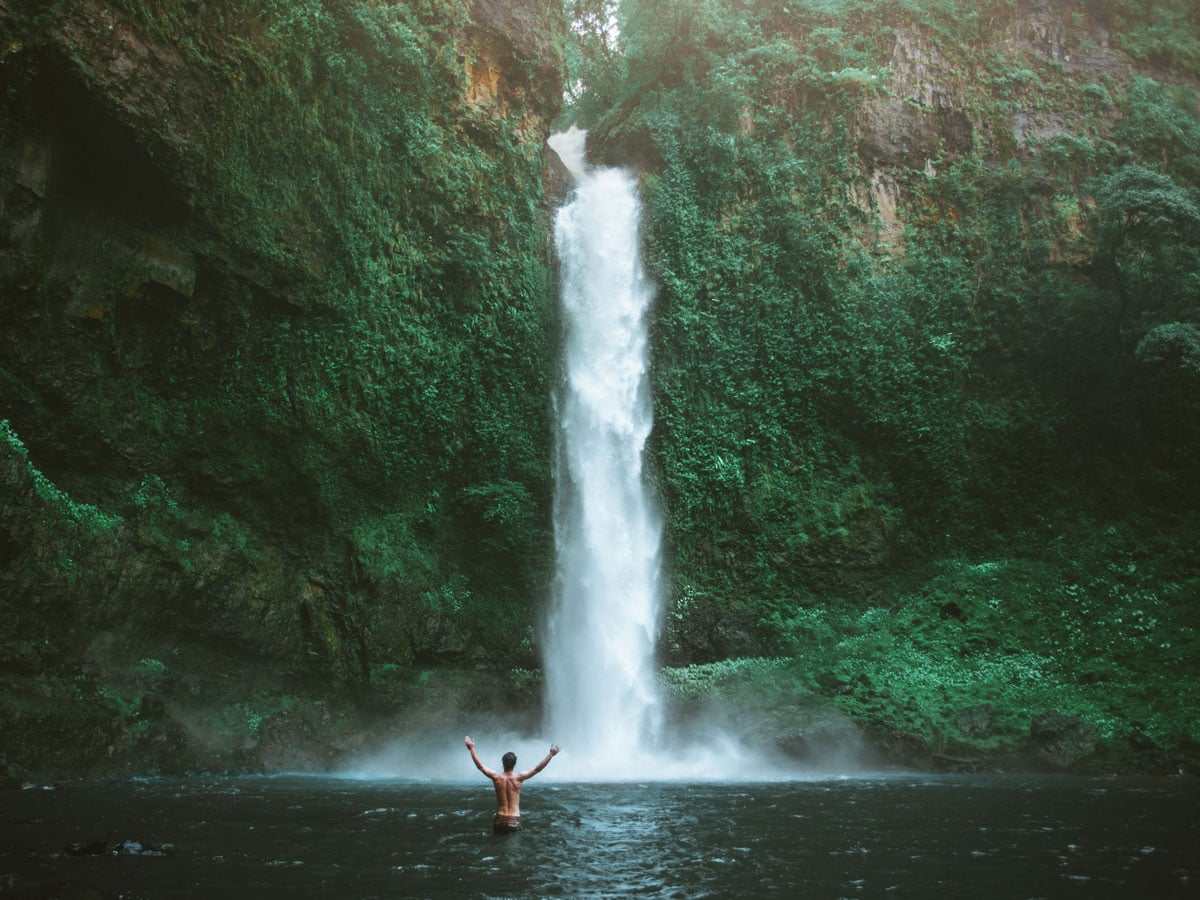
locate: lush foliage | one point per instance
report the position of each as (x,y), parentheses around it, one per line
(892,333)
(278,348)
(352,369)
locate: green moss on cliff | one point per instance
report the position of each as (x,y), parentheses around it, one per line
(275,302)
(906,253)
(277,343)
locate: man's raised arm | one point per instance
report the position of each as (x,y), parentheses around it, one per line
(478,763)
(549,756)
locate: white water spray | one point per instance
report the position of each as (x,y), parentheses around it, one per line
(602,691)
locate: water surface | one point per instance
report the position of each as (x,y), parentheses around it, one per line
(896,836)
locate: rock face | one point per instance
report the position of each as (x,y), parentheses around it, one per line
(239,411)
(930,113)
(516,54)
(976,721)
(1062,742)
(923,111)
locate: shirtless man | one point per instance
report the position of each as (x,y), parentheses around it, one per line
(508,787)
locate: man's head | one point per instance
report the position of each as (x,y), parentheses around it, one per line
(510,761)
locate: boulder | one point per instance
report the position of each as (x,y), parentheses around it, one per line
(1060,741)
(976,721)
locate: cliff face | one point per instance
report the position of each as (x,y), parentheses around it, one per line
(914,263)
(276,348)
(273,291)
(1035,78)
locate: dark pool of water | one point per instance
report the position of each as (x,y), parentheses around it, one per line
(895,836)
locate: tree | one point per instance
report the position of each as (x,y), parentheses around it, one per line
(1148,234)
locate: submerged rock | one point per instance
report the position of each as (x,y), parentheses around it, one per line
(127,847)
(59,889)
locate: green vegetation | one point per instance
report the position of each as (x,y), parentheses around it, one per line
(352,370)
(1100,636)
(856,415)
(278,347)
(277,333)
(83,515)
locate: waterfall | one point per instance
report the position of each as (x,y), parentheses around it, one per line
(603,703)
(602,695)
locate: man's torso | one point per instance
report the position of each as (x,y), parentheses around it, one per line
(508,794)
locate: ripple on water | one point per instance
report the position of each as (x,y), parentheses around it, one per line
(665,840)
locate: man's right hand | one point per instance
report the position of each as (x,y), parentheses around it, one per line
(470,743)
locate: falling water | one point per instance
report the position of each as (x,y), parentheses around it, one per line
(603,700)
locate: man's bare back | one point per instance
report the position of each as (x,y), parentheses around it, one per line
(508,786)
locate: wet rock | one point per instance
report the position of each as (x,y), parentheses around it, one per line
(1060,741)
(141,848)
(976,721)
(820,735)
(126,847)
(557,182)
(164,747)
(894,133)
(529,27)
(895,747)
(513,63)
(922,115)
(58,889)
(295,739)
(148,84)
(832,684)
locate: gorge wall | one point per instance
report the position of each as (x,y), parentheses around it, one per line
(921,440)
(274,356)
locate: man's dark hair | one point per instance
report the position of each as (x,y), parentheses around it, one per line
(510,760)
